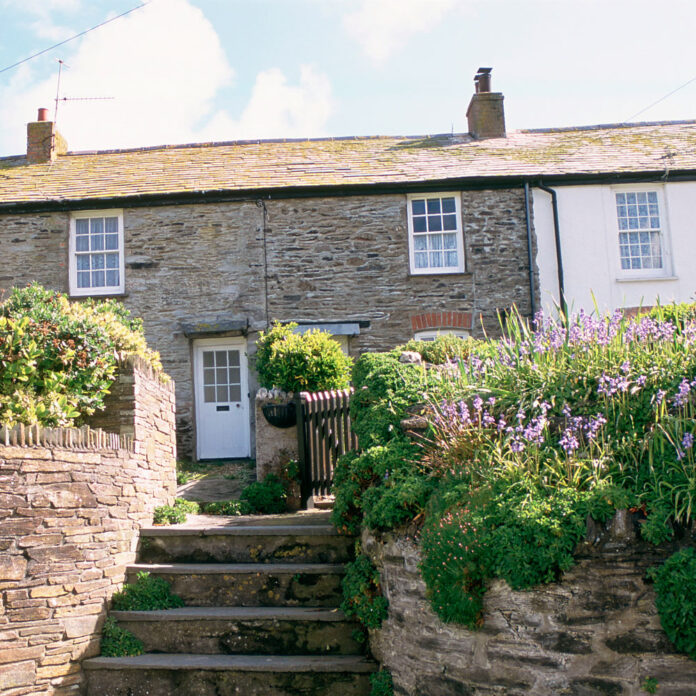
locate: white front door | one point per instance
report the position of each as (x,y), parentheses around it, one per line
(222,398)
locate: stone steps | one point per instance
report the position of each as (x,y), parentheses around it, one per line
(249,584)
(218,675)
(242,630)
(305,543)
(261,615)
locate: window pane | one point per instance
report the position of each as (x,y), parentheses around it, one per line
(83,263)
(418,207)
(97,261)
(233,357)
(112,260)
(419,224)
(234,375)
(436,259)
(435,241)
(221,358)
(448,205)
(111,225)
(82,243)
(449,222)
(112,241)
(433,205)
(451,259)
(98,279)
(421,259)
(450,241)
(112,279)
(434,223)
(208,359)
(222,394)
(97,242)
(221,375)
(420,243)
(97,225)
(209,394)
(235,393)
(208,376)
(82,226)
(83,280)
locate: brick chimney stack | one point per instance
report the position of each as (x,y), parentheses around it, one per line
(44,142)
(485,114)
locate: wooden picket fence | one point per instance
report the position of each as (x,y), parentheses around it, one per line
(323,435)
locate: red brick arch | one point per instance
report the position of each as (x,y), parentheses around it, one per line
(441,320)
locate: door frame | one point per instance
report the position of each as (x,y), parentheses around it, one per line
(197,346)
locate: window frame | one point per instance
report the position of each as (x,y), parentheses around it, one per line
(76,291)
(436,270)
(642,273)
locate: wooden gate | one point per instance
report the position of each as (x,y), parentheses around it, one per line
(323,435)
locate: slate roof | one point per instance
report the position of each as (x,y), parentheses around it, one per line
(248,166)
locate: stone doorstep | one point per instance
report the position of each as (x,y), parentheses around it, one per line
(238,568)
(233,614)
(298,530)
(302,517)
(235,663)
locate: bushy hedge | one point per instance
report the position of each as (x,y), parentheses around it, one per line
(295,362)
(58,358)
(528,435)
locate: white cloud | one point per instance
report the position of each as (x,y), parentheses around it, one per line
(163,65)
(277,109)
(382,27)
(42,13)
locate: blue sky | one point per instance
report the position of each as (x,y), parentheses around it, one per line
(198,70)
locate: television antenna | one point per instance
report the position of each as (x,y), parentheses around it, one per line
(58,99)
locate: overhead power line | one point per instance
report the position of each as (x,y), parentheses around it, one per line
(72,38)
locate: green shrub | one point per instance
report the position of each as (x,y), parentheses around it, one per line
(445,347)
(382,684)
(265,497)
(117,642)
(675,587)
(293,362)
(650,685)
(58,359)
(677,314)
(362,593)
(175,514)
(148,593)
(232,508)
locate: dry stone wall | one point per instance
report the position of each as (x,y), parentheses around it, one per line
(340,259)
(595,633)
(70,516)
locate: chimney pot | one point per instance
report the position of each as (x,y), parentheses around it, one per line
(43,115)
(483,80)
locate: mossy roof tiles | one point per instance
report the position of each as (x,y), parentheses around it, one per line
(246,166)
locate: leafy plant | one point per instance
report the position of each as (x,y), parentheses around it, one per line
(650,685)
(675,587)
(362,593)
(231,508)
(265,497)
(118,642)
(148,593)
(382,684)
(58,359)
(175,514)
(294,362)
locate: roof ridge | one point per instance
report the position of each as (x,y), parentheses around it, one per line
(607,126)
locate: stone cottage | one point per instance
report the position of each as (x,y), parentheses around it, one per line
(377,239)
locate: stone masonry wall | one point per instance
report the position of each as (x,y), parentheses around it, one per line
(595,633)
(69,523)
(339,259)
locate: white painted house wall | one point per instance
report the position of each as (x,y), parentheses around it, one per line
(590,248)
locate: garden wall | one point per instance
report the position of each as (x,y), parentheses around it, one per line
(72,502)
(596,632)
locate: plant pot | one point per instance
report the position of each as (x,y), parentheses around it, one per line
(280,415)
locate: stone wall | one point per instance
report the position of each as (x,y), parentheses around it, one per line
(339,259)
(70,516)
(596,632)
(274,446)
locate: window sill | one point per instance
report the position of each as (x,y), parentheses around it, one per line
(446,274)
(97,295)
(646,279)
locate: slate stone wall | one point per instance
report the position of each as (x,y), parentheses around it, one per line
(596,632)
(69,524)
(305,259)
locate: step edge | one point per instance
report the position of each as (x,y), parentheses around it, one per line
(234,614)
(246,530)
(238,568)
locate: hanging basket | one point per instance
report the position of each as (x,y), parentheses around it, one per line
(280,415)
